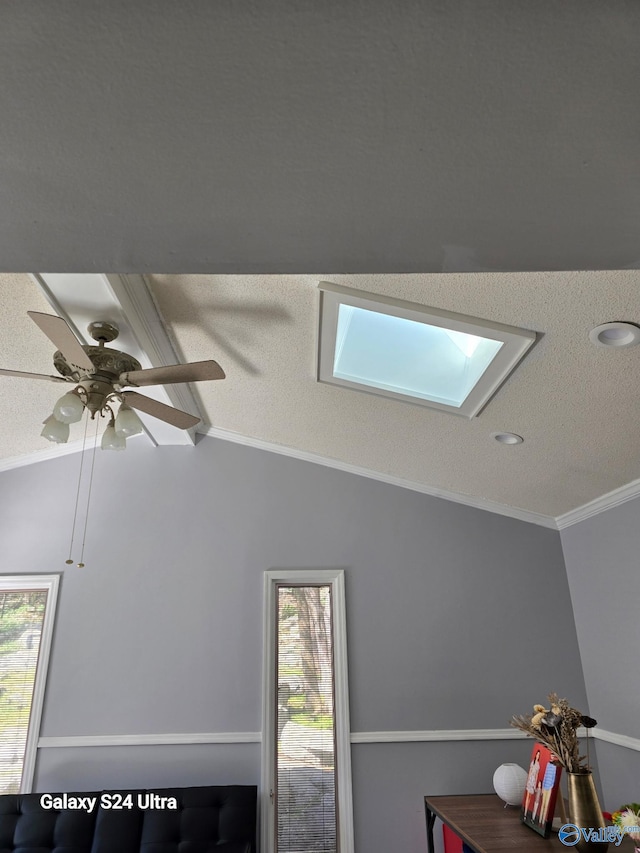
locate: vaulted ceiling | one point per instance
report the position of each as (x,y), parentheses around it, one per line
(479,157)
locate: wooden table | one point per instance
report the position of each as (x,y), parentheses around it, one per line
(483,822)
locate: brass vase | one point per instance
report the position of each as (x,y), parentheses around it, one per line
(584,810)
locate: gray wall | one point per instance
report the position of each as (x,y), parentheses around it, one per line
(457,618)
(603,569)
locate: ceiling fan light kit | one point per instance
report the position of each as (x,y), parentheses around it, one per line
(100,375)
(127,423)
(69,408)
(112,440)
(55,430)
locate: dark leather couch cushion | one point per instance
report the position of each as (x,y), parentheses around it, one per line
(207,819)
(25,827)
(211,819)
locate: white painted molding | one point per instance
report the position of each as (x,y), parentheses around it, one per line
(143,313)
(317,459)
(342,738)
(619,740)
(437,735)
(52,452)
(149,740)
(49,583)
(355,737)
(595,507)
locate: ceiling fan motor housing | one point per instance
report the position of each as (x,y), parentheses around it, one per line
(108,365)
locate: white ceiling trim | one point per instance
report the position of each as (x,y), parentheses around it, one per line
(574,516)
(305,456)
(598,505)
(54,452)
(41,455)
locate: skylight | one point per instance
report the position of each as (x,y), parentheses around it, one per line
(397,349)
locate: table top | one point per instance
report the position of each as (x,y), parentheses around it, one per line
(483,821)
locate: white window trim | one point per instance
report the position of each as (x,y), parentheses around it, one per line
(51,583)
(334,577)
(516,343)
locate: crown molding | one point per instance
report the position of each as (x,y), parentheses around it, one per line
(57,450)
(33,457)
(574,516)
(595,507)
(317,459)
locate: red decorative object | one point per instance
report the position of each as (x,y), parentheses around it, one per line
(452,842)
(543,781)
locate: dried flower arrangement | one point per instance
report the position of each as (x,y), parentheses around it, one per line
(556,727)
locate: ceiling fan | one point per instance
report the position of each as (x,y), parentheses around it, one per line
(100,375)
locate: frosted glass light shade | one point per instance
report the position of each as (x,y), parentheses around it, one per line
(55,430)
(69,408)
(509,782)
(111,440)
(127,422)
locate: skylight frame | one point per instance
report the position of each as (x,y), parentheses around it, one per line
(516,342)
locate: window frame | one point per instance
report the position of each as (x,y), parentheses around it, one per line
(516,344)
(50,583)
(344,801)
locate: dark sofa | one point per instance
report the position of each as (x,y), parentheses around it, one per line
(212,819)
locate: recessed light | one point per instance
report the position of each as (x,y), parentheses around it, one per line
(615,335)
(507,437)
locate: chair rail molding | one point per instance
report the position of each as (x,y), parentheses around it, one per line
(425,736)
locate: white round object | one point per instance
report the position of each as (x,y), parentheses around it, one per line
(615,335)
(507,437)
(509,781)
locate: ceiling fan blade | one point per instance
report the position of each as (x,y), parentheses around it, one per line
(21,374)
(172,416)
(196,371)
(59,333)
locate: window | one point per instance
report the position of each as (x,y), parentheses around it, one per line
(27,608)
(306,746)
(421,355)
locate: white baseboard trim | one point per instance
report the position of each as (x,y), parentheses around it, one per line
(356,737)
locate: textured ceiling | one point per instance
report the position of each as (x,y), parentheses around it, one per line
(310,137)
(575,404)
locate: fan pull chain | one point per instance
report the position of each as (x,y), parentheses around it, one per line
(69,562)
(86,518)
